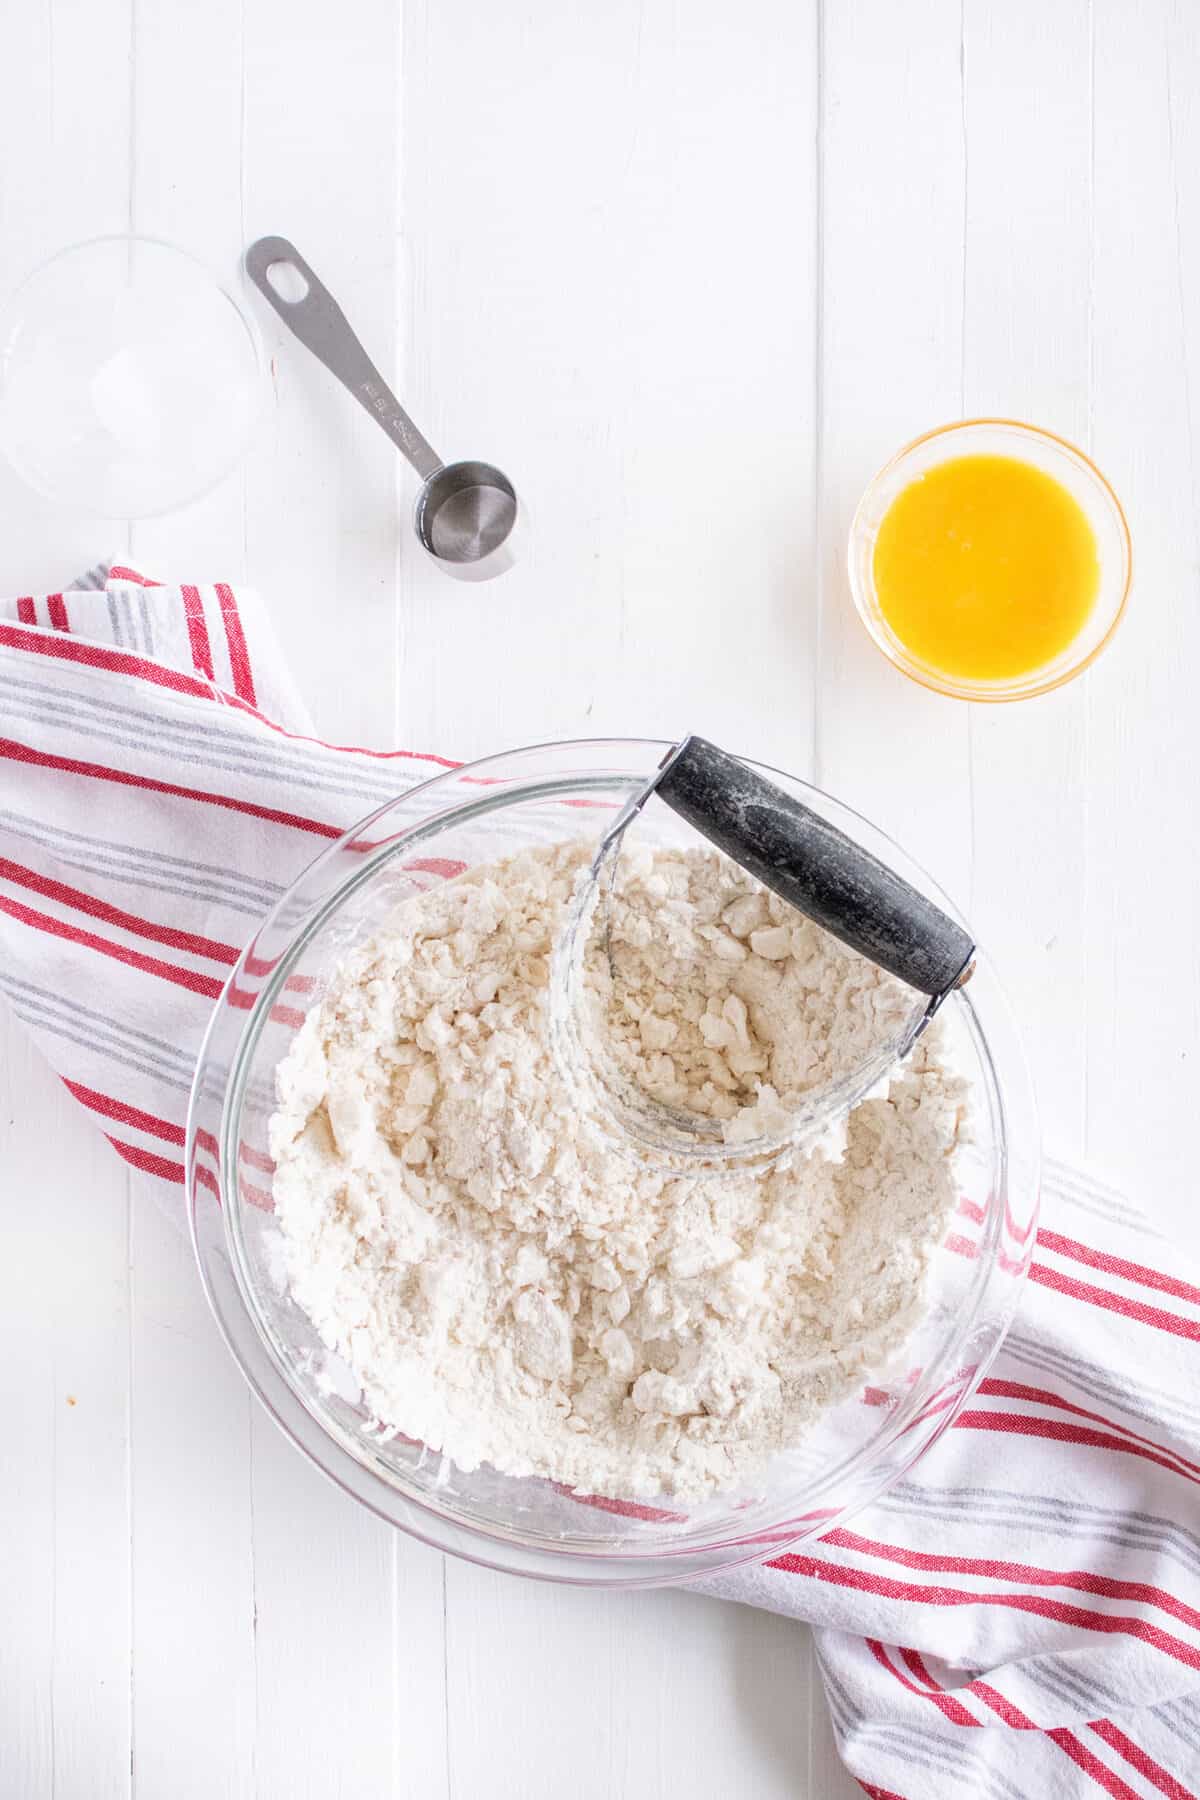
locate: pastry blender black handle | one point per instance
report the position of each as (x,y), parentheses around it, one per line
(816,868)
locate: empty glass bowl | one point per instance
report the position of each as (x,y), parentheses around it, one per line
(130,379)
(460,819)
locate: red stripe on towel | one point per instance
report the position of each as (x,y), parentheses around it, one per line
(193,608)
(235,639)
(150,1164)
(100,656)
(954,1711)
(189,941)
(70,765)
(1118,1265)
(207,985)
(124,1114)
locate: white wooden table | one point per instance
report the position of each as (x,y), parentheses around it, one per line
(689,272)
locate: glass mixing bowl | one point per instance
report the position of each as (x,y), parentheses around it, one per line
(430,834)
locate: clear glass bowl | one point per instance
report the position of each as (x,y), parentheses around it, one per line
(458,820)
(1055,457)
(130,379)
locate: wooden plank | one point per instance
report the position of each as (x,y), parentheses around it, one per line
(323,1635)
(344,1610)
(64,1515)
(193,1596)
(64,1522)
(609,291)
(84,1278)
(1143,855)
(1026,355)
(420,1710)
(640,1696)
(72,155)
(188,91)
(892,294)
(192,1504)
(321,521)
(609,218)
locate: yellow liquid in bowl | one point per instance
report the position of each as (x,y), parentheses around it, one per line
(986,568)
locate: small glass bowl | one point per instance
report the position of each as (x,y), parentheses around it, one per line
(1055,457)
(130,378)
(852,1452)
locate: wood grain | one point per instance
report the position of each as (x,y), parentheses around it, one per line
(689,275)
(1027,355)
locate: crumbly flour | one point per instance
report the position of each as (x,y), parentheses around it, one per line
(511,1288)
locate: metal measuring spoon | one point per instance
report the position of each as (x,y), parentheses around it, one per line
(466,511)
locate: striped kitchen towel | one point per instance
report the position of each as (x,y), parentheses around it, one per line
(1020,1617)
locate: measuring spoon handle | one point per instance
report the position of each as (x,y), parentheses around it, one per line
(816,868)
(322,327)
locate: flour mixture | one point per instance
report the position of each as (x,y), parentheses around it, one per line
(511,1288)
